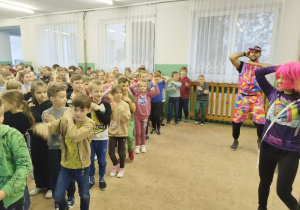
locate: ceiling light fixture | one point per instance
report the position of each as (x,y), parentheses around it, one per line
(15,7)
(107,1)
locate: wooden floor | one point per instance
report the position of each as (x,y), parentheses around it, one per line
(189,167)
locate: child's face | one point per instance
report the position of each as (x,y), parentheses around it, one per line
(125,87)
(118,95)
(86,85)
(33,76)
(144,77)
(201,80)
(182,73)
(79,113)
(47,73)
(97,92)
(63,73)
(60,99)
(77,85)
(93,75)
(142,87)
(156,79)
(175,77)
(101,76)
(150,77)
(60,82)
(10,77)
(1,114)
(111,78)
(6,105)
(26,79)
(40,94)
(88,71)
(115,70)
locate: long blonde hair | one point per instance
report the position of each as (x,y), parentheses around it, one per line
(15,96)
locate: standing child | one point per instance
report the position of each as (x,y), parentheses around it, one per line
(57,95)
(14,168)
(76,82)
(39,148)
(25,78)
(174,92)
(202,99)
(184,94)
(143,107)
(100,114)
(76,130)
(129,98)
(110,77)
(118,130)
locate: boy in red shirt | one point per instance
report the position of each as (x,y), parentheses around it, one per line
(184,94)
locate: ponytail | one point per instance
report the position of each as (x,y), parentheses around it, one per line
(27,111)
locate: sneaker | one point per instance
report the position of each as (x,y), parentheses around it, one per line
(137,150)
(186,120)
(167,124)
(56,207)
(91,186)
(153,131)
(196,122)
(95,158)
(143,148)
(114,170)
(176,124)
(102,185)
(258,143)
(48,194)
(202,124)
(131,155)
(158,131)
(71,202)
(162,124)
(234,145)
(36,191)
(147,137)
(121,173)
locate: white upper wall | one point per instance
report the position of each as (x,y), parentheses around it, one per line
(172,33)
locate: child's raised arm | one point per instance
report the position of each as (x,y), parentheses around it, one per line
(154,92)
(133,89)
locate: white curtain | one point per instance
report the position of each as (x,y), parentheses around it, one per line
(223,27)
(55,38)
(126,37)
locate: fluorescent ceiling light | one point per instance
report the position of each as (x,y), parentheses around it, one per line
(15,7)
(110,30)
(107,1)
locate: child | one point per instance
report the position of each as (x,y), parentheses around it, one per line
(76,82)
(94,74)
(157,104)
(128,73)
(100,114)
(118,130)
(25,78)
(14,168)
(102,76)
(46,74)
(129,98)
(202,99)
(174,92)
(85,88)
(13,85)
(184,94)
(115,71)
(39,148)
(18,115)
(110,77)
(280,143)
(143,106)
(60,80)
(76,130)
(57,95)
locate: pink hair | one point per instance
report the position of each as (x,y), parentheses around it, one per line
(290,72)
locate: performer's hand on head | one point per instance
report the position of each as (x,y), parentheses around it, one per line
(247,53)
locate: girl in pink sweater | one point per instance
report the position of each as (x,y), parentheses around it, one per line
(143,108)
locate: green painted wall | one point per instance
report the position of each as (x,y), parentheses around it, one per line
(6,62)
(27,62)
(92,65)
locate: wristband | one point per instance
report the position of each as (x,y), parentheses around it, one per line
(244,54)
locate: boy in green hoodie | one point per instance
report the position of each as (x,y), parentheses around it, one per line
(15,165)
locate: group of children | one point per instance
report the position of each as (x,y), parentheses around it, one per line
(68,118)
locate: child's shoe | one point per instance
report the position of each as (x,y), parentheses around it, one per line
(36,191)
(147,137)
(196,122)
(137,150)
(48,194)
(131,155)
(114,170)
(91,184)
(143,148)
(71,202)
(153,131)
(121,173)
(102,185)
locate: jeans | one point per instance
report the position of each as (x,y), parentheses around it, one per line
(98,147)
(18,205)
(200,104)
(183,104)
(173,101)
(26,201)
(64,179)
(287,163)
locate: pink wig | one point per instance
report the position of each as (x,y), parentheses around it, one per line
(291,74)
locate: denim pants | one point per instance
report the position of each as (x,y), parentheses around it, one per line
(200,104)
(26,197)
(98,147)
(64,179)
(183,105)
(173,101)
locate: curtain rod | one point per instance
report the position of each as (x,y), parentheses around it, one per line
(103,8)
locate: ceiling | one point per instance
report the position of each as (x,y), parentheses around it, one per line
(52,6)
